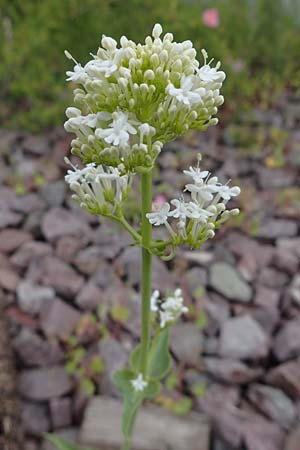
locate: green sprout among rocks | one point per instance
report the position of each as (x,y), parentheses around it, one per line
(130,101)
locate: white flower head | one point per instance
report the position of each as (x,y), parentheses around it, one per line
(139,384)
(160,216)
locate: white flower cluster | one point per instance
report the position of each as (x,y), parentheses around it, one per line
(98,190)
(135,97)
(168,310)
(206,210)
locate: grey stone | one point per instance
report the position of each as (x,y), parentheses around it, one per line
(89,297)
(275,228)
(30,251)
(187,343)
(187,433)
(274,403)
(291,245)
(33,298)
(35,351)
(272,278)
(67,247)
(90,259)
(59,319)
(35,418)
(286,376)
(227,281)
(28,203)
(196,280)
(11,239)
(9,279)
(57,274)
(263,435)
(243,338)
(275,178)
(230,371)
(266,297)
(9,218)
(58,222)
(61,412)
(217,311)
(115,358)
(54,193)
(287,341)
(43,384)
(293,439)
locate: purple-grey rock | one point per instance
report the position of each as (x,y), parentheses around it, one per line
(35,351)
(286,376)
(59,319)
(230,371)
(186,342)
(32,298)
(273,403)
(61,412)
(286,344)
(243,338)
(58,222)
(35,419)
(43,384)
(227,281)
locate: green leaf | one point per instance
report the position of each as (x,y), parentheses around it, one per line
(134,359)
(152,390)
(131,406)
(183,406)
(62,444)
(88,386)
(122,379)
(97,365)
(159,358)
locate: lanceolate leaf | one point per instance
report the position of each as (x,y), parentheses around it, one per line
(159,358)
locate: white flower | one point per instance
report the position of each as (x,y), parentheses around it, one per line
(200,214)
(172,308)
(154,299)
(227,192)
(160,216)
(78,75)
(166,317)
(139,384)
(186,94)
(92,120)
(203,190)
(119,130)
(180,210)
(210,74)
(196,174)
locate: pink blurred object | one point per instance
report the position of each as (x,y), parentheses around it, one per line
(158,201)
(211,18)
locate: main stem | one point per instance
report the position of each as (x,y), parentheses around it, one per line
(146,269)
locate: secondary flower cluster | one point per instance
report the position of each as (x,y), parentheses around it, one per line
(169,309)
(206,210)
(98,190)
(135,97)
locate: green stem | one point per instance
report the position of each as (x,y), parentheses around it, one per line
(146,270)
(130,229)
